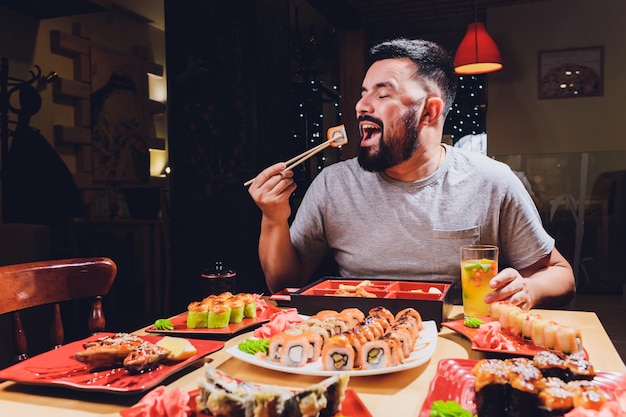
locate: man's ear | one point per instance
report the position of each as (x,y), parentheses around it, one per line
(433,109)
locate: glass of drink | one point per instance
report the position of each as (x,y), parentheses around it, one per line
(479,263)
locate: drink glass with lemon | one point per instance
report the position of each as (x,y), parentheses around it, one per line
(479,263)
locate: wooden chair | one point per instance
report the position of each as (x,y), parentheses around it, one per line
(32,284)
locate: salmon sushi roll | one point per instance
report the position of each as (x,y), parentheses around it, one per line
(407,343)
(295,350)
(315,341)
(338,354)
(413,313)
(374,326)
(384,312)
(395,349)
(376,354)
(275,348)
(355,313)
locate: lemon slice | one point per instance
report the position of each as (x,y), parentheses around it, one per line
(180,349)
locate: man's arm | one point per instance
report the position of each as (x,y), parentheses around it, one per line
(279,259)
(281,264)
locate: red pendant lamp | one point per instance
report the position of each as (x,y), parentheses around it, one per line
(477,53)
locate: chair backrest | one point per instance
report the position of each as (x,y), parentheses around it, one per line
(33,284)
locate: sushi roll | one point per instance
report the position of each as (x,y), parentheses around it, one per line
(219,315)
(374,326)
(275,348)
(578,368)
(537,332)
(356,341)
(236,310)
(509,318)
(375,354)
(550,329)
(355,313)
(402,334)
(524,384)
(496,309)
(490,387)
(338,354)
(325,314)
(555,397)
(314,338)
(295,350)
(335,393)
(527,325)
(249,308)
(568,340)
(410,312)
(382,311)
(550,365)
(197,315)
(395,349)
(587,395)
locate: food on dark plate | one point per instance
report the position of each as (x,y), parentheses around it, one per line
(223,396)
(135,354)
(543,386)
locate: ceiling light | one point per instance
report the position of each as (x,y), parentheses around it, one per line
(477,52)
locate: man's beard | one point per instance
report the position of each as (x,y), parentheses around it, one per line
(393,151)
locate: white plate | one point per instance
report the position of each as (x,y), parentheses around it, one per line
(422,352)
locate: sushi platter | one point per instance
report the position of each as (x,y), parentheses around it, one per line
(422,352)
(455,382)
(432,299)
(180,326)
(59,368)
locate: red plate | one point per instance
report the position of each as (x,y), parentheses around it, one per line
(522,347)
(181,329)
(352,406)
(454,382)
(59,368)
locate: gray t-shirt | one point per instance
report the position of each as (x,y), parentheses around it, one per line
(376,227)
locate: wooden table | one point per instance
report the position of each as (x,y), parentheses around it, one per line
(400,394)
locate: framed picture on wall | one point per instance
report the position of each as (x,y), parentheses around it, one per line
(567,73)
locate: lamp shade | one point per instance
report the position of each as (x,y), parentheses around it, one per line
(477,53)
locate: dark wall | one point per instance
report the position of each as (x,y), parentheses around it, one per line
(228,80)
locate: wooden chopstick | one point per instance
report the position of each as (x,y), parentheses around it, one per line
(298,159)
(309,154)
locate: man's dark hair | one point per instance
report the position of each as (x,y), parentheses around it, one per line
(432,61)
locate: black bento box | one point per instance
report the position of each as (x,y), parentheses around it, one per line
(433,300)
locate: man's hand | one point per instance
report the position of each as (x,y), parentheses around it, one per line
(271,190)
(509,285)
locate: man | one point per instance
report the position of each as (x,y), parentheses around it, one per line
(406,205)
